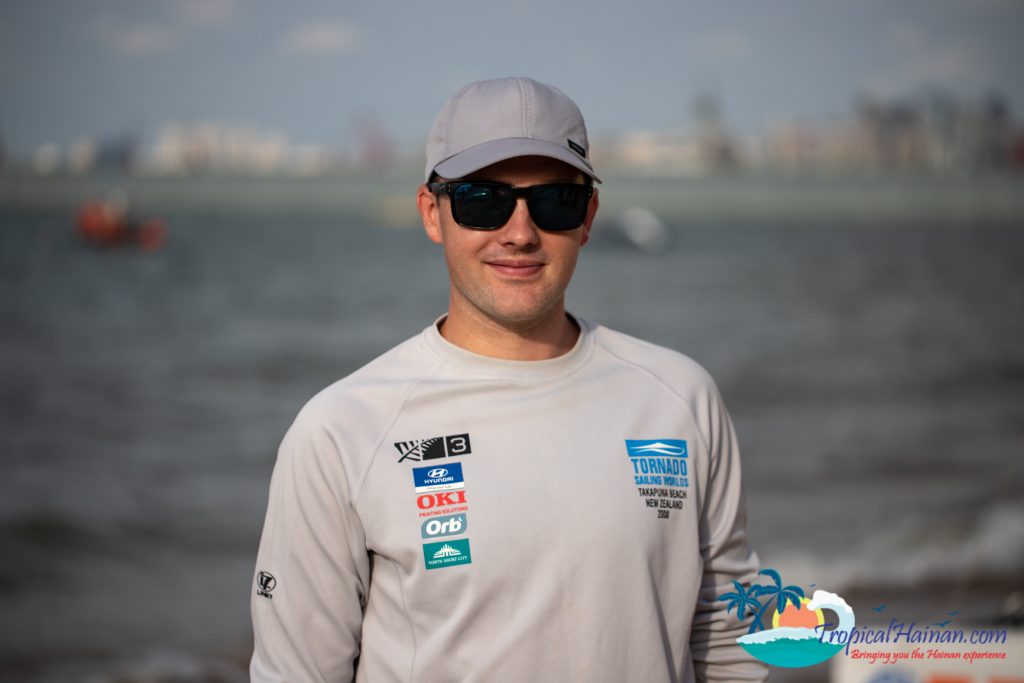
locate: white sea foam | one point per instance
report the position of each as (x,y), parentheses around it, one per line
(825,600)
(784,632)
(914,551)
(820,600)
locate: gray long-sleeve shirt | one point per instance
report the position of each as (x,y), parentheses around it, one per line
(444,516)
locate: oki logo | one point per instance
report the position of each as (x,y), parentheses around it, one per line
(440,499)
(448,525)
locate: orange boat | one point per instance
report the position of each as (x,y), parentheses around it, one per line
(108,224)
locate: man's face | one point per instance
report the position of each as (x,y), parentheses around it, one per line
(515,276)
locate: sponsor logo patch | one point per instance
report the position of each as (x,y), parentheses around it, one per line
(442,503)
(447,525)
(660,472)
(446,553)
(434,448)
(265,585)
(440,478)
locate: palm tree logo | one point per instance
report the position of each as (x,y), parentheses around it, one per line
(792,640)
(745,602)
(749,601)
(781,595)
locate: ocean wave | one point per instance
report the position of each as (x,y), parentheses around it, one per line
(989,548)
(781,633)
(155,666)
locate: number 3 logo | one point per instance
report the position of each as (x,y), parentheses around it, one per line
(457,444)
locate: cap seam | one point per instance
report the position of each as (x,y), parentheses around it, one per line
(451,118)
(524,96)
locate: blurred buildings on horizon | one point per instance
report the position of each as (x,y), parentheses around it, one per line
(932,132)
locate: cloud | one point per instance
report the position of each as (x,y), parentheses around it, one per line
(208,12)
(139,39)
(151,38)
(998,5)
(322,39)
(723,45)
(920,61)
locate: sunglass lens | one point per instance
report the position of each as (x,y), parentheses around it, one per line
(559,207)
(481,205)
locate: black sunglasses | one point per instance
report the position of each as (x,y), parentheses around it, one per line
(488,206)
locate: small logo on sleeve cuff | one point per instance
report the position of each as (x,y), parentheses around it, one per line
(265,585)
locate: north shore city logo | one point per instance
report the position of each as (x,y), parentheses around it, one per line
(434,448)
(447,553)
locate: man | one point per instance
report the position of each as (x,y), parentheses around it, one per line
(515,494)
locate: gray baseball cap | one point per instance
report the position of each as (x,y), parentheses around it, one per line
(489,121)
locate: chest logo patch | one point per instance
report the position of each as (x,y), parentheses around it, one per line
(434,448)
(440,478)
(447,525)
(446,553)
(660,472)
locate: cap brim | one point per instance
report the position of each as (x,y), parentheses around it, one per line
(485,154)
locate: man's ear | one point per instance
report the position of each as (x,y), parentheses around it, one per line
(588,222)
(429,206)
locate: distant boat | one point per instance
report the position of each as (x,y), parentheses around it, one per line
(108,224)
(644,230)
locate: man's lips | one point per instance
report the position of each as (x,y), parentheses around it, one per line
(515,267)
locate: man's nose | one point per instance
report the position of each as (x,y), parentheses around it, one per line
(520,230)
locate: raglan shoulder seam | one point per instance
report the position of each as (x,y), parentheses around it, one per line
(668,387)
(389,423)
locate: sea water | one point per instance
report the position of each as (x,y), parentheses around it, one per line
(874,369)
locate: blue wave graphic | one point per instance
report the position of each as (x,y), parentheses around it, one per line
(670,447)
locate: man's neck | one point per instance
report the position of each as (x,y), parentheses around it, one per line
(551,337)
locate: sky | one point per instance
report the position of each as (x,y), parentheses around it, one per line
(318,71)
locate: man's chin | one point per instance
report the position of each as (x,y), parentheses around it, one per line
(525,318)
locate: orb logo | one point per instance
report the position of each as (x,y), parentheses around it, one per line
(800,634)
(447,525)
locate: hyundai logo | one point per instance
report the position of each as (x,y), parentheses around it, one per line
(437,473)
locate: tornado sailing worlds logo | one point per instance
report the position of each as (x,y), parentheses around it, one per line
(804,631)
(660,472)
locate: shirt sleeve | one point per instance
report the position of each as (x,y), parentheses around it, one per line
(313,568)
(726,555)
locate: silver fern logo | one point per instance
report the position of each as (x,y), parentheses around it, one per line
(419,450)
